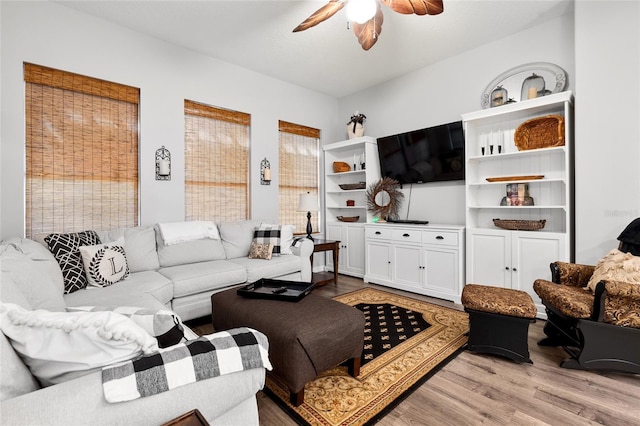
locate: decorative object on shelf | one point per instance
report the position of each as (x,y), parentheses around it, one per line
(352,186)
(498,96)
(554,77)
(308,203)
(348,218)
(366,15)
(520,225)
(351,203)
(355,128)
(265,172)
(163,164)
(517,195)
(540,132)
(341,167)
(384,198)
(532,87)
(512,178)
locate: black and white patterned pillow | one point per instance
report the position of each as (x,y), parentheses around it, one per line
(268,235)
(66,250)
(105,264)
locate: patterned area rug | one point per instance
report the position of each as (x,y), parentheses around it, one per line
(406,341)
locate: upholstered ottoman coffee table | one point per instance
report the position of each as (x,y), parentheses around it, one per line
(306,337)
(499,320)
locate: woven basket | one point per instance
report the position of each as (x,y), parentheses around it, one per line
(520,225)
(348,218)
(350,186)
(341,167)
(541,132)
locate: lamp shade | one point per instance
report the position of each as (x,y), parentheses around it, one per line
(308,203)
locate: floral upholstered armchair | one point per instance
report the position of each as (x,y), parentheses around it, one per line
(594,311)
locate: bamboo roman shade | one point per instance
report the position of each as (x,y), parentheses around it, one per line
(81,152)
(298,172)
(216,163)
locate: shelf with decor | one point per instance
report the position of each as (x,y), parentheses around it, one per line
(345,223)
(519,170)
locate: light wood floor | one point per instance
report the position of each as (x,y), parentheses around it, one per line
(482,389)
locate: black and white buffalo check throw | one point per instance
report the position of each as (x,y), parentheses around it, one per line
(209,356)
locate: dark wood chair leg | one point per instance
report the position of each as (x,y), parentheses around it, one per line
(297,398)
(353,367)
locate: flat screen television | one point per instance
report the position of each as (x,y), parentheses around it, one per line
(433,154)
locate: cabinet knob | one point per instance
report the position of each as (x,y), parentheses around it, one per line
(506,267)
(515,270)
(406,235)
(378,232)
(389,262)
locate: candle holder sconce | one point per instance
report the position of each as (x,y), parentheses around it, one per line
(163,164)
(265,172)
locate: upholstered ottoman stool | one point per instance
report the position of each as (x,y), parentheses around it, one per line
(305,337)
(499,320)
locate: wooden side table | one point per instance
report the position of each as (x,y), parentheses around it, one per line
(322,278)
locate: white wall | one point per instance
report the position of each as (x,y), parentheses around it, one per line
(440,93)
(607,123)
(48,34)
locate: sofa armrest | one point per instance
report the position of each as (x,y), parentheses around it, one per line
(304,251)
(81,401)
(573,274)
(620,303)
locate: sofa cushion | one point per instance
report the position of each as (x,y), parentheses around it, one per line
(260,251)
(15,377)
(237,237)
(268,235)
(616,266)
(28,271)
(572,301)
(277,266)
(66,250)
(182,232)
(59,346)
(105,264)
(286,237)
(204,276)
(188,252)
(130,292)
(139,245)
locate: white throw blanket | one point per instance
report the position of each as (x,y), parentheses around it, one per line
(181,232)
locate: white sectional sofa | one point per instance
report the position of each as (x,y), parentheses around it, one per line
(181,277)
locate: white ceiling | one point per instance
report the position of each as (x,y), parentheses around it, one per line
(327,58)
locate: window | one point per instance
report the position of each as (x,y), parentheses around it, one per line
(216,163)
(298,172)
(81,152)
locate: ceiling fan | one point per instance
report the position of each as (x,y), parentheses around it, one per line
(366,15)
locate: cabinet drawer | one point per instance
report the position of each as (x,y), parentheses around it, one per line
(441,238)
(379,233)
(407,235)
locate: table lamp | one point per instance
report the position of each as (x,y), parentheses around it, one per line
(308,203)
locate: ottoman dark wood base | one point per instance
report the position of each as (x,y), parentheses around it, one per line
(499,321)
(305,337)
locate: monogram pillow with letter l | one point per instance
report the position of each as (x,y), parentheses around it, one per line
(105,264)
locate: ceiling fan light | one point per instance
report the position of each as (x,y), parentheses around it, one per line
(361,11)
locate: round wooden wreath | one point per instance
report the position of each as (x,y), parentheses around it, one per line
(384,209)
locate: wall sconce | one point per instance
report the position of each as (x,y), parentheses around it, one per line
(265,172)
(163,164)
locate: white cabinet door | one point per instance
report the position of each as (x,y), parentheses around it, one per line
(334,232)
(441,270)
(378,261)
(354,250)
(532,252)
(407,265)
(489,258)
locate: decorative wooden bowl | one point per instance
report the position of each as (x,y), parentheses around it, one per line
(350,186)
(520,225)
(348,218)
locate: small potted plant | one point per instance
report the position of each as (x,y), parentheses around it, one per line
(355,126)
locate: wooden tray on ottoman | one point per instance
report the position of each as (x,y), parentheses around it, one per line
(266,288)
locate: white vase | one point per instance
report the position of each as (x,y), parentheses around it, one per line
(357,132)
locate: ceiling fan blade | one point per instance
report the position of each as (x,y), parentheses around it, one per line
(419,7)
(320,15)
(369,32)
